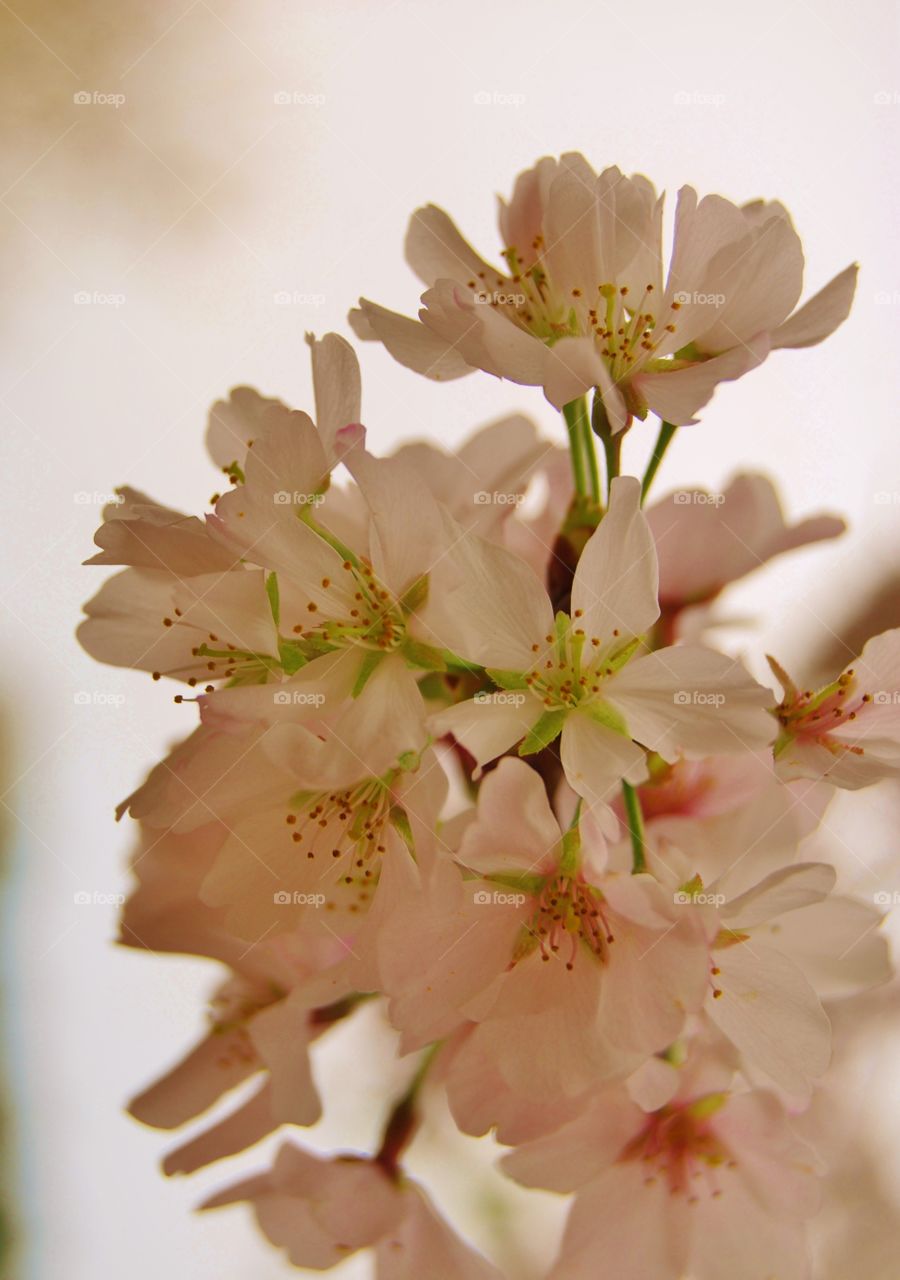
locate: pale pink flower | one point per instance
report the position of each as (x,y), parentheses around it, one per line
(582,302)
(711,1184)
(738,820)
(320,1211)
(319,807)
(572,973)
(758,997)
(849,732)
(706,541)
(262,1019)
(578,675)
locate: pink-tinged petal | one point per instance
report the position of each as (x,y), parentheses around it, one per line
(496,344)
(522,219)
(580,1150)
(704,541)
(423,1244)
(572,251)
(677,396)
(609,1224)
(574,366)
(235,423)
(127,620)
(836,944)
(435,249)
(771,1013)
(735,1236)
(615,588)
(407,532)
(488,729)
(785,890)
(217,1064)
(140,532)
(692,700)
(409,342)
(653,1084)
(243,1128)
(281,1036)
(596,758)
(337,389)
(762,285)
(515,829)
(821,315)
(480,1099)
(499,609)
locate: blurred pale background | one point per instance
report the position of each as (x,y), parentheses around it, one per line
(228,153)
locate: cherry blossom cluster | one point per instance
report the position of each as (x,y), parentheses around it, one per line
(465,752)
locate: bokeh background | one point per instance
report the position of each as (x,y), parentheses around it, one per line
(187,187)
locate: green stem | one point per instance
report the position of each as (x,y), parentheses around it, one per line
(663,440)
(590,453)
(572,414)
(612,444)
(635,818)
